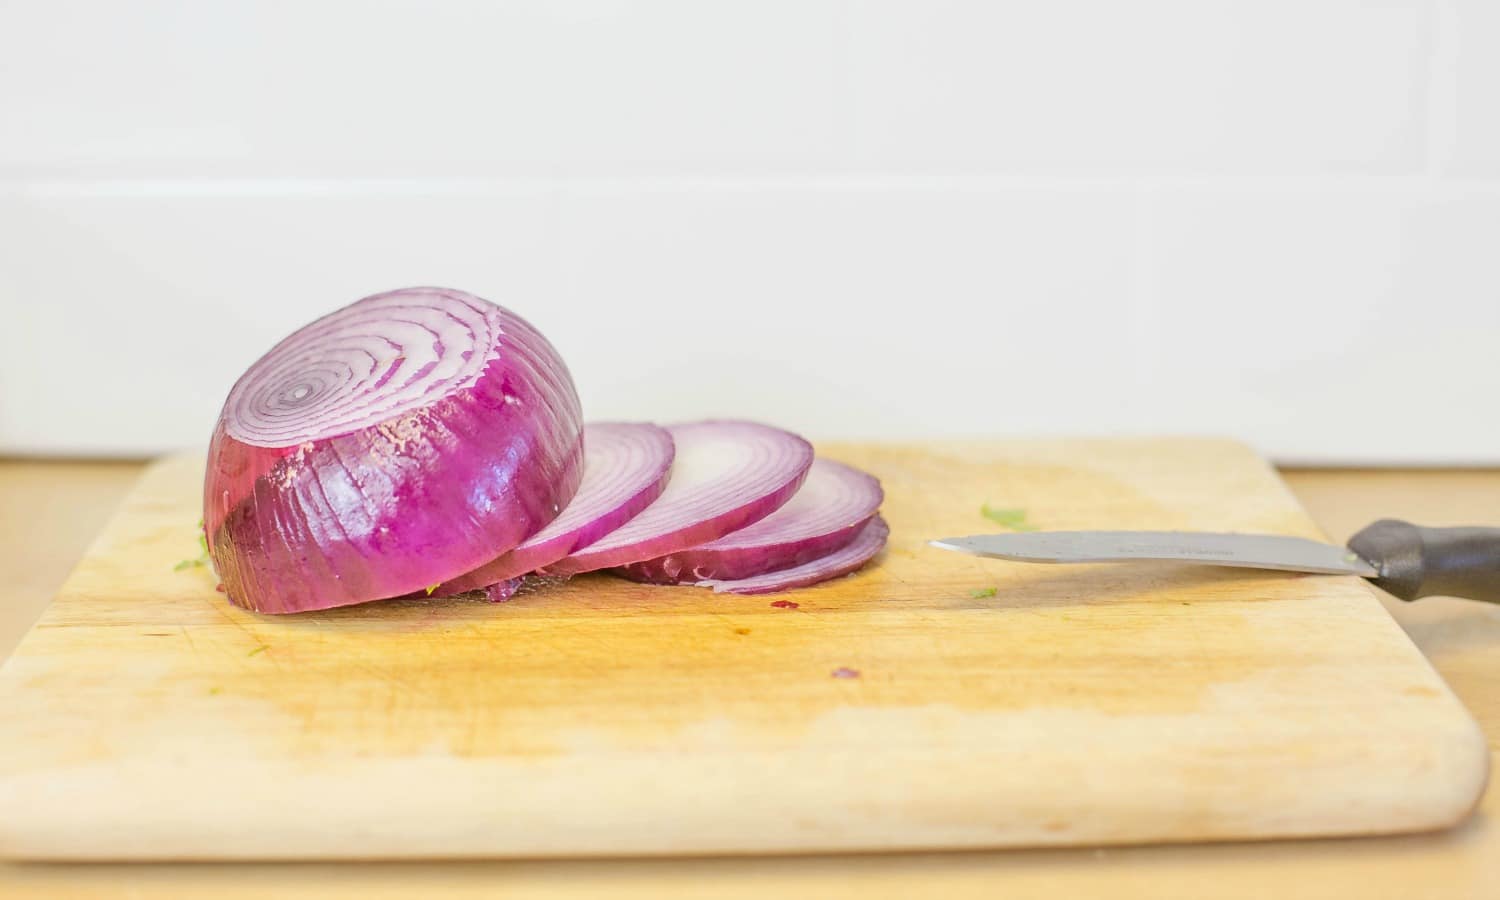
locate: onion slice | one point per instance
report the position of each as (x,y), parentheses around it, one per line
(825,515)
(841,562)
(385,448)
(625,468)
(501,591)
(726,475)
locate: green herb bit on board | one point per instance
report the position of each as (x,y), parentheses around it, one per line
(202,559)
(1014,519)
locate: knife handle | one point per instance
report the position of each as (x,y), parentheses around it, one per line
(1419,562)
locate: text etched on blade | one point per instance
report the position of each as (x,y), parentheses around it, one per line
(1170,550)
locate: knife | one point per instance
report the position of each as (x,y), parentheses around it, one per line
(1406,560)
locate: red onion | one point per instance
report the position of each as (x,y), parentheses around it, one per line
(501,591)
(841,562)
(387,447)
(726,475)
(828,512)
(625,468)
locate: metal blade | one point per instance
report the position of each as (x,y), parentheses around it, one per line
(1253,551)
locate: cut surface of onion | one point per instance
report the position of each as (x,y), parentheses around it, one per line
(726,475)
(625,468)
(826,514)
(387,447)
(841,562)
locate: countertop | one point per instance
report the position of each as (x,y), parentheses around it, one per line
(49,511)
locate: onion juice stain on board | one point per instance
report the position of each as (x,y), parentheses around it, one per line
(598,661)
(521,680)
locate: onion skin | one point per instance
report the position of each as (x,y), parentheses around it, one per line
(831,509)
(792,458)
(394,505)
(634,491)
(861,550)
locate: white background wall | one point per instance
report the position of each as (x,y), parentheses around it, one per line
(1275,219)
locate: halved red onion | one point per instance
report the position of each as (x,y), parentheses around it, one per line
(387,447)
(826,514)
(625,468)
(841,562)
(726,475)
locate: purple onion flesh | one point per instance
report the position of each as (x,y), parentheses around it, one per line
(626,466)
(726,475)
(392,445)
(841,562)
(825,515)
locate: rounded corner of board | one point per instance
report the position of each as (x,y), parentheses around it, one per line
(1473,768)
(1456,778)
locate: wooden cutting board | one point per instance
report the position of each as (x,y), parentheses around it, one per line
(144,717)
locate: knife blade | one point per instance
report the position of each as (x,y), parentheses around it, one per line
(1253,551)
(1407,560)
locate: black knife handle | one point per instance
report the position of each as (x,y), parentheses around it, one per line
(1424,562)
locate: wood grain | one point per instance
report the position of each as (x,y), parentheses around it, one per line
(1079,705)
(52,510)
